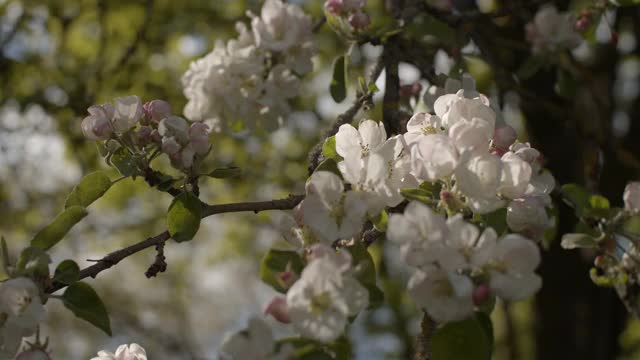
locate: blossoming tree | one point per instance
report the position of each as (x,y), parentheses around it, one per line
(437,174)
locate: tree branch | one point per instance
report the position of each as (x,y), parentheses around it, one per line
(208,210)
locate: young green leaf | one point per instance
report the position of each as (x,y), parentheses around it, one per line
(421,195)
(338,87)
(54,232)
(183,217)
(573,241)
(458,340)
(125,162)
(85,303)
(277,261)
(329,165)
(90,189)
(67,272)
(329,149)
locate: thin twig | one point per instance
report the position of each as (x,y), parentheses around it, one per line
(208,210)
(346,117)
(318,25)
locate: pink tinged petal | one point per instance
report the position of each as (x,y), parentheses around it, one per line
(186,156)
(278,309)
(504,136)
(170,146)
(157,110)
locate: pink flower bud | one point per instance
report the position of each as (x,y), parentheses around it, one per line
(359,20)
(157,110)
(143,135)
(155,136)
(504,136)
(480,294)
(278,309)
(631,196)
(170,146)
(97,126)
(287,278)
(599,261)
(199,136)
(334,7)
(582,24)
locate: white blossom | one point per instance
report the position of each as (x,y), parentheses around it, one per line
(445,296)
(466,247)
(281,26)
(472,135)
(330,212)
(433,157)
(360,142)
(323,299)
(516,176)
(512,266)
(97,126)
(422,124)
(420,232)
(479,177)
(124,352)
(528,216)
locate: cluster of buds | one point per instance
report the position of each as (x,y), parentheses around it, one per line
(584,21)
(351,10)
(143,128)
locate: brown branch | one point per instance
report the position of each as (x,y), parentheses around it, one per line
(139,37)
(160,265)
(315,155)
(318,25)
(208,210)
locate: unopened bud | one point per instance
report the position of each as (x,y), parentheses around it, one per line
(480,294)
(156,110)
(359,20)
(278,309)
(504,136)
(334,6)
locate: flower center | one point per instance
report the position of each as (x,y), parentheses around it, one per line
(320,303)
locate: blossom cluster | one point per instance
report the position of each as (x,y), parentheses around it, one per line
(459,268)
(142,128)
(253,76)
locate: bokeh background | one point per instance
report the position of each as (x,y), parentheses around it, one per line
(58,57)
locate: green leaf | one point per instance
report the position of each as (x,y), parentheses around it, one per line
(574,241)
(459,340)
(421,195)
(484,319)
(599,202)
(530,67)
(577,197)
(67,272)
(433,188)
(183,217)
(54,232)
(329,165)
(329,149)
(277,261)
(338,86)
(380,221)
(228,172)
(6,263)
(85,303)
(365,271)
(566,86)
(631,226)
(125,162)
(90,189)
